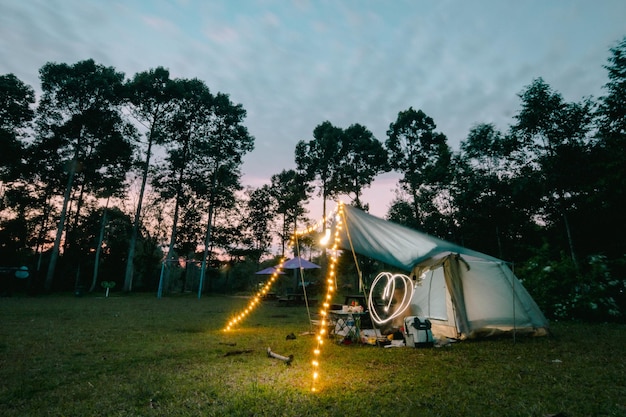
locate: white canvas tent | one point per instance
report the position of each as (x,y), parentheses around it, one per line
(464,293)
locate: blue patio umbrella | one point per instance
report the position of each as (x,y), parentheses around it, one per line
(268,271)
(299,263)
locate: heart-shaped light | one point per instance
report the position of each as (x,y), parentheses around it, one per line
(391,282)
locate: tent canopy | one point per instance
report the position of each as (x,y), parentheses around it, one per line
(394,244)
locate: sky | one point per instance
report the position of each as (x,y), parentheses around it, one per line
(293,64)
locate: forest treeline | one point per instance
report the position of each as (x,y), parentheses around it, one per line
(108,179)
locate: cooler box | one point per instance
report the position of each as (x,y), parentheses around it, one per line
(417,332)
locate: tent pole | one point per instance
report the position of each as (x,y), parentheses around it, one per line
(201,278)
(160,290)
(513,288)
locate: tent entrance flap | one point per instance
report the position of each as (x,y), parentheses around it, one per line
(432,299)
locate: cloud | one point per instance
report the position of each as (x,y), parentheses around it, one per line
(162,25)
(293,65)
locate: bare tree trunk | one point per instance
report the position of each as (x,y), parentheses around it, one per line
(42,232)
(54,256)
(207,237)
(499,242)
(96,264)
(130,266)
(570,240)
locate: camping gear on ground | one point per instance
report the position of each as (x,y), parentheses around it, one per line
(417,332)
(464,293)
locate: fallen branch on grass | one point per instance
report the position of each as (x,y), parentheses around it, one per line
(286,359)
(237,352)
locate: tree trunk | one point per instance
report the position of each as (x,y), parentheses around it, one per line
(570,240)
(96,264)
(207,237)
(499,242)
(54,256)
(42,232)
(73,249)
(130,261)
(170,250)
(416,207)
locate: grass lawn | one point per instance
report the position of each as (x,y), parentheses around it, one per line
(136,355)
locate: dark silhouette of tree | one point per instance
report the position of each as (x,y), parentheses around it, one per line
(318,160)
(290,190)
(609,163)
(487,213)
(361,158)
(16,113)
(423,158)
(223,142)
(79,108)
(552,146)
(204,156)
(259,219)
(151,97)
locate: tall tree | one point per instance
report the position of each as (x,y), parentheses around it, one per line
(259,219)
(175,175)
(290,190)
(151,97)
(486,212)
(423,158)
(16,113)
(75,99)
(361,158)
(44,180)
(317,160)
(612,109)
(553,145)
(110,182)
(222,142)
(609,162)
(204,156)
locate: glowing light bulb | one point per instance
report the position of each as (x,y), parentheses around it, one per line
(324,240)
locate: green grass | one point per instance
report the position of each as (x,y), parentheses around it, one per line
(140,356)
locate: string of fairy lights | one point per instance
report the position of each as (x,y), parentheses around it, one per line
(331,285)
(391,282)
(258,297)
